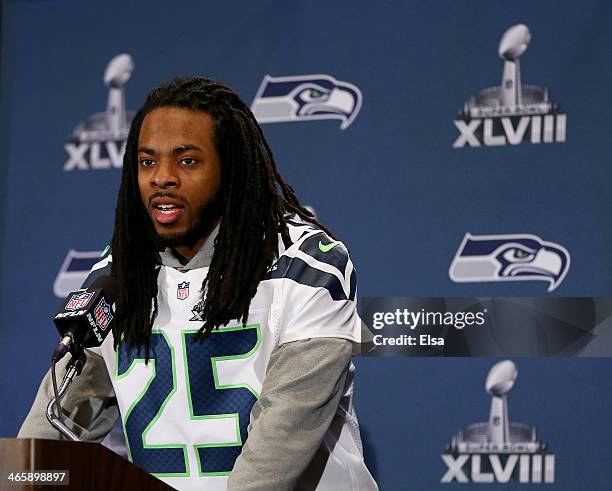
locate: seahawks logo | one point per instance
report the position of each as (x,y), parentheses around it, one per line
(518,257)
(74,271)
(306,98)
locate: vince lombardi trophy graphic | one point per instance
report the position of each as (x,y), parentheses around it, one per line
(512,112)
(114,123)
(499,382)
(498,434)
(499,450)
(512,45)
(512,97)
(117,73)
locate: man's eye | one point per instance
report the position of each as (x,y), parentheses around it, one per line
(146,162)
(188,161)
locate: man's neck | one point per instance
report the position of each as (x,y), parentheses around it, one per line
(173,258)
(187,252)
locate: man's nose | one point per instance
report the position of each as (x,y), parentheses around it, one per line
(165,175)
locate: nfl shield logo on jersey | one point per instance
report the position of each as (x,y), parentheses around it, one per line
(182,291)
(79,300)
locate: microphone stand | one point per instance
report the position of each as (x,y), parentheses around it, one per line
(73,369)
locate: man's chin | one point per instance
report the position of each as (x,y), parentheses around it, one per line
(175,239)
(186,233)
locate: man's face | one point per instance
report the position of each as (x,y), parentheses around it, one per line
(179,176)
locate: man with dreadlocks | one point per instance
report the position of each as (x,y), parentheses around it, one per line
(236,316)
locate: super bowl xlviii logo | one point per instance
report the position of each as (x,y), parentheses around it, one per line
(498,450)
(306,98)
(99,141)
(511,113)
(198,311)
(509,257)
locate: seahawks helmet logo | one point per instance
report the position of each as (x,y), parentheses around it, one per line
(74,271)
(306,98)
(518,257)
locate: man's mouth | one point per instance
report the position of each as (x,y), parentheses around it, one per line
(166,211)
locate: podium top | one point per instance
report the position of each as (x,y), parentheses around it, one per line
(90,465)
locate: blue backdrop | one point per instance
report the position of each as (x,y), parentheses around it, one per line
(390,183)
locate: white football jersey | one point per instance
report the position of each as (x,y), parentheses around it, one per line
(186,413)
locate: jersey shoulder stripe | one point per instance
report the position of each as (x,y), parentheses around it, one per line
(314,242)
(298,270)
(325,250)
(316,260)
(299,228)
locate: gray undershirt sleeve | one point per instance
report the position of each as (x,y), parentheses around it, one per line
(300,396)
(89,407)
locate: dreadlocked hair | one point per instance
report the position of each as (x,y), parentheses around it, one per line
(255,200)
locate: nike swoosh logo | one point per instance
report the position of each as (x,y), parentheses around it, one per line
(327,247)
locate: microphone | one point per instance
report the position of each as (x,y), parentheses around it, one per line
(86,317)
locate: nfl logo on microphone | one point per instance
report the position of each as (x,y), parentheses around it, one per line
(79,300)
(182,291)
(103,314)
